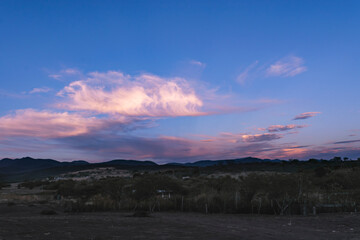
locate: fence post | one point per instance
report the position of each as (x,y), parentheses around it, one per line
(182,203)
(236,200)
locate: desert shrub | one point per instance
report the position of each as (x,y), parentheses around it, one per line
(321,171)
(146,187)
(260,193)
(33,184)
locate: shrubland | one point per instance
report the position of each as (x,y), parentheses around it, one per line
(290,188)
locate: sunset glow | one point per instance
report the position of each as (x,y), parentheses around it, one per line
(168,82)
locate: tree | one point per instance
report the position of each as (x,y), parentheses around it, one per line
(282,189)
(336,159)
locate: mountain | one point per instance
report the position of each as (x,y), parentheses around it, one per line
(121,162)
(208,163)
(29,168)
(28,164)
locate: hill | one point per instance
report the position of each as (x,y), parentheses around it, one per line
(30,168)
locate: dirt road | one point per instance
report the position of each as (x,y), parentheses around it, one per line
(26,222)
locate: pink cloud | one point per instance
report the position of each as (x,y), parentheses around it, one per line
(145,95)
(243,77)
(99,112)
(287,67)
(316,152)
(71,71)
(55,76)
(305,115)
(281,128)
(47,124)
(40,90)
(197,63)
(261,137)
(65,73)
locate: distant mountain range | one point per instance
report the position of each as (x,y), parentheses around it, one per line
(29,164)
(27,167)
(208,163)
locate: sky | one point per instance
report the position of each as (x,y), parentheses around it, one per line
(179,81)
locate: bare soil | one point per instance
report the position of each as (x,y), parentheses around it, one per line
(26,222)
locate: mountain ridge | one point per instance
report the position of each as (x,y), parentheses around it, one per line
(26,164)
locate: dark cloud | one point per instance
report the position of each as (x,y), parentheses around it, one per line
(281,128)
(349,141)
(305,115)
(261,137)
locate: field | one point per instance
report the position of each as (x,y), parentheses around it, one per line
(26,222)
(222,202)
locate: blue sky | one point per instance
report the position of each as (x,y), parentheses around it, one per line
(179,80)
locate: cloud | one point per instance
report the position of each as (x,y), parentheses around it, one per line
(281,128)
(198,63)
(287,67)
(243,77)
(55,76)
(322,152)
(261,137)
(145,95)
(109,102)
(349,141)
(305,115)
(47,124)
(222,146)
(8,94)
(162,148)
(95,117)
(65,72)
(71,71)
(40,90)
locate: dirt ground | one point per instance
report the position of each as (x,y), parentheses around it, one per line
(26,222)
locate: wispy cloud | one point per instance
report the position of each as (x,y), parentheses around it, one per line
(9,94)
(305,115)
(71,71)
(348,141)
(287,67)
(40,90)
(243,77)
(281,128)
(197,63)
(55,76)
(59,75)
